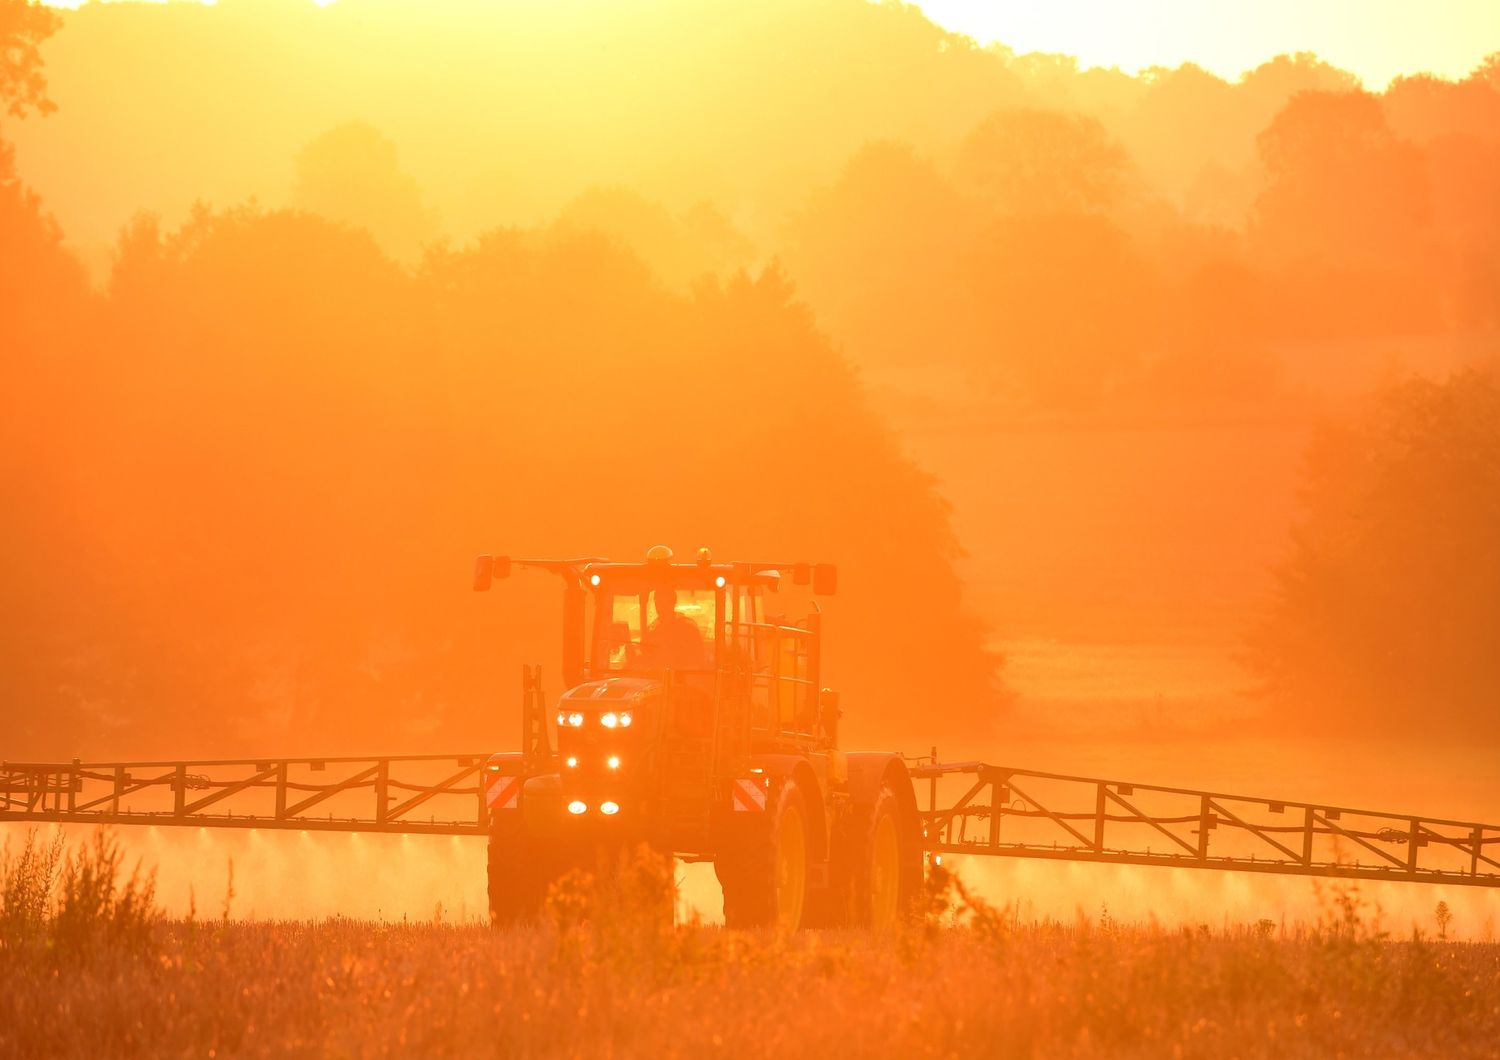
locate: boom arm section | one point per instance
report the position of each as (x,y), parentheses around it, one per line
(1002,811)
(313,794)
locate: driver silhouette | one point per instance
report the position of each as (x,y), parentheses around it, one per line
(673,641)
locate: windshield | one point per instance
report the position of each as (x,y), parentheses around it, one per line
(654,630)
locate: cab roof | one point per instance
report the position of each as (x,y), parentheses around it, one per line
(658,569)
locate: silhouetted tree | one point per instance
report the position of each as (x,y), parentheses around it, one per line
(503,117)
(680,251)
(1387,606)
(24,25)
(1457,125)
(1488,70)
(1340,185)
(45,313)
(292,447)
(351,174)
(1423,108)
(881,254)
(244,365)
(45,309)
(1270,85)
(1043,162)
(1345,217)
(1172,100)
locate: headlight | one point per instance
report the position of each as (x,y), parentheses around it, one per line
(625,719)
(575,720)
(577,806)
(572,761)
(562,717)
(609,809)
(610,720)
(613,762)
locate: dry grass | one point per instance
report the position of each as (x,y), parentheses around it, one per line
(968,980)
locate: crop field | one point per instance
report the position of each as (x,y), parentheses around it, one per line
(89,968)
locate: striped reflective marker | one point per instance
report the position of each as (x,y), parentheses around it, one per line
(748,795)
(503,793)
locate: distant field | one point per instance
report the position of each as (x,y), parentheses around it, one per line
(346,988)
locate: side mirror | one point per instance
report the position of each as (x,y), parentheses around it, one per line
(488,568)
(825,579)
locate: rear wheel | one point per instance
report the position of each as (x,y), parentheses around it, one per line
(764,871)
(887,871)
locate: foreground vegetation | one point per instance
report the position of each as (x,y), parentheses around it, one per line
(965,980)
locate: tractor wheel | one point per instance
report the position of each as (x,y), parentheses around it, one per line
(764,873)
(517,883)
(887,865)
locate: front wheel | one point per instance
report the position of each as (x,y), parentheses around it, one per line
(764,871)
(517,882)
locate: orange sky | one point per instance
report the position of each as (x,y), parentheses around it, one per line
(1375,39)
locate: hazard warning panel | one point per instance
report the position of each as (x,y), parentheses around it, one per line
(502,793)
(748,795)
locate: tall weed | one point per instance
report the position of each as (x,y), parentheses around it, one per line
(73,902)
(98,905)
(28,878)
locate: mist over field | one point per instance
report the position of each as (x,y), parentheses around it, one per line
(1151,419)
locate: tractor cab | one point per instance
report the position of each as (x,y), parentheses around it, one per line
(657,617)
(700,635)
